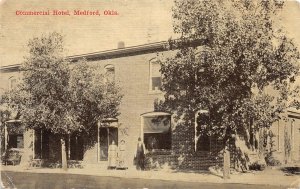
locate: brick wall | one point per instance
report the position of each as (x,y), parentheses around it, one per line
(183,156)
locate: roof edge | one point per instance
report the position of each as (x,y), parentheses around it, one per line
(106,54)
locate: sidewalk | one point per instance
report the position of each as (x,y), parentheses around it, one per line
(267,177)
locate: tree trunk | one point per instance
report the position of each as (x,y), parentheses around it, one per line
(226,163)
(64,163)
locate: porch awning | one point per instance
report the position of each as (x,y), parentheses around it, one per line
(14,121)
(293,113)
(109,122)
(156,122)
(15,126)
(153,114)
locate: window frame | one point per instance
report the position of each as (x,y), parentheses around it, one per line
(110,68)
(10,83)
(156,114)
(198,137)
(151,91)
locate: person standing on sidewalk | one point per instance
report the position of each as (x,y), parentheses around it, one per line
(121,155)
(112,155)
(140,155)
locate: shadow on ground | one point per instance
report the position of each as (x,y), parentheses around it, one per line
(291,170)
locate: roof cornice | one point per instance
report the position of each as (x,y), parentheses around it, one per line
(122,52)
(108,54)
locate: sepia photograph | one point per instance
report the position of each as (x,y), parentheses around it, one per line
(150,94)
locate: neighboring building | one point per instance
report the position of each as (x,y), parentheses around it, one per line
(286,138)
(137,72)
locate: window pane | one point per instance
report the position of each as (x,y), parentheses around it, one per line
(159,124)
(157,140)
(110,73)
(203,143)
(155,67)
(156,83)
(20,141)
(12,142)
(155,76)
(113,135)
(13,83)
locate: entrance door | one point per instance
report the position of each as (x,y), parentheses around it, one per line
(41,144)
(103,144)
(106,136)
(76,147)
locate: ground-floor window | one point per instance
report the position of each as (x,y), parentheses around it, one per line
(157,130)
(15,141)
(15,137)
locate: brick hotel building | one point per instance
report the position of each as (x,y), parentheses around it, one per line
(169,144)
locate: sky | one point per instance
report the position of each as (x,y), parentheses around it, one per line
(139,22)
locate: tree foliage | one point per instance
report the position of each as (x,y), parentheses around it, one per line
(57,96)
(231,60)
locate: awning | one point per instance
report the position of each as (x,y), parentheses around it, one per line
(293,113)
(293,110)
(156,122)
(109,122)
(153,114)
(15,126)
(14,121)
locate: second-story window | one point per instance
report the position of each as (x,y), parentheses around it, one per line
(12,83)
(155,76)
(110,72)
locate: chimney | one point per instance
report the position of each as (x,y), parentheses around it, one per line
(121,45)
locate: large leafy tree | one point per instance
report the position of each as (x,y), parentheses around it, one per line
(56,96)
(231,60)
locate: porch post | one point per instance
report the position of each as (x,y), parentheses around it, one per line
(5,136)
(292,138)
(69,146)
(42,144)
(142,128)
(33,139)
(98,141)
(107,135)
(278,136)
(226,162)
(195,127)
(285,143)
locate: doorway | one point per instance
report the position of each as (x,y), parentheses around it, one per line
(106,136)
